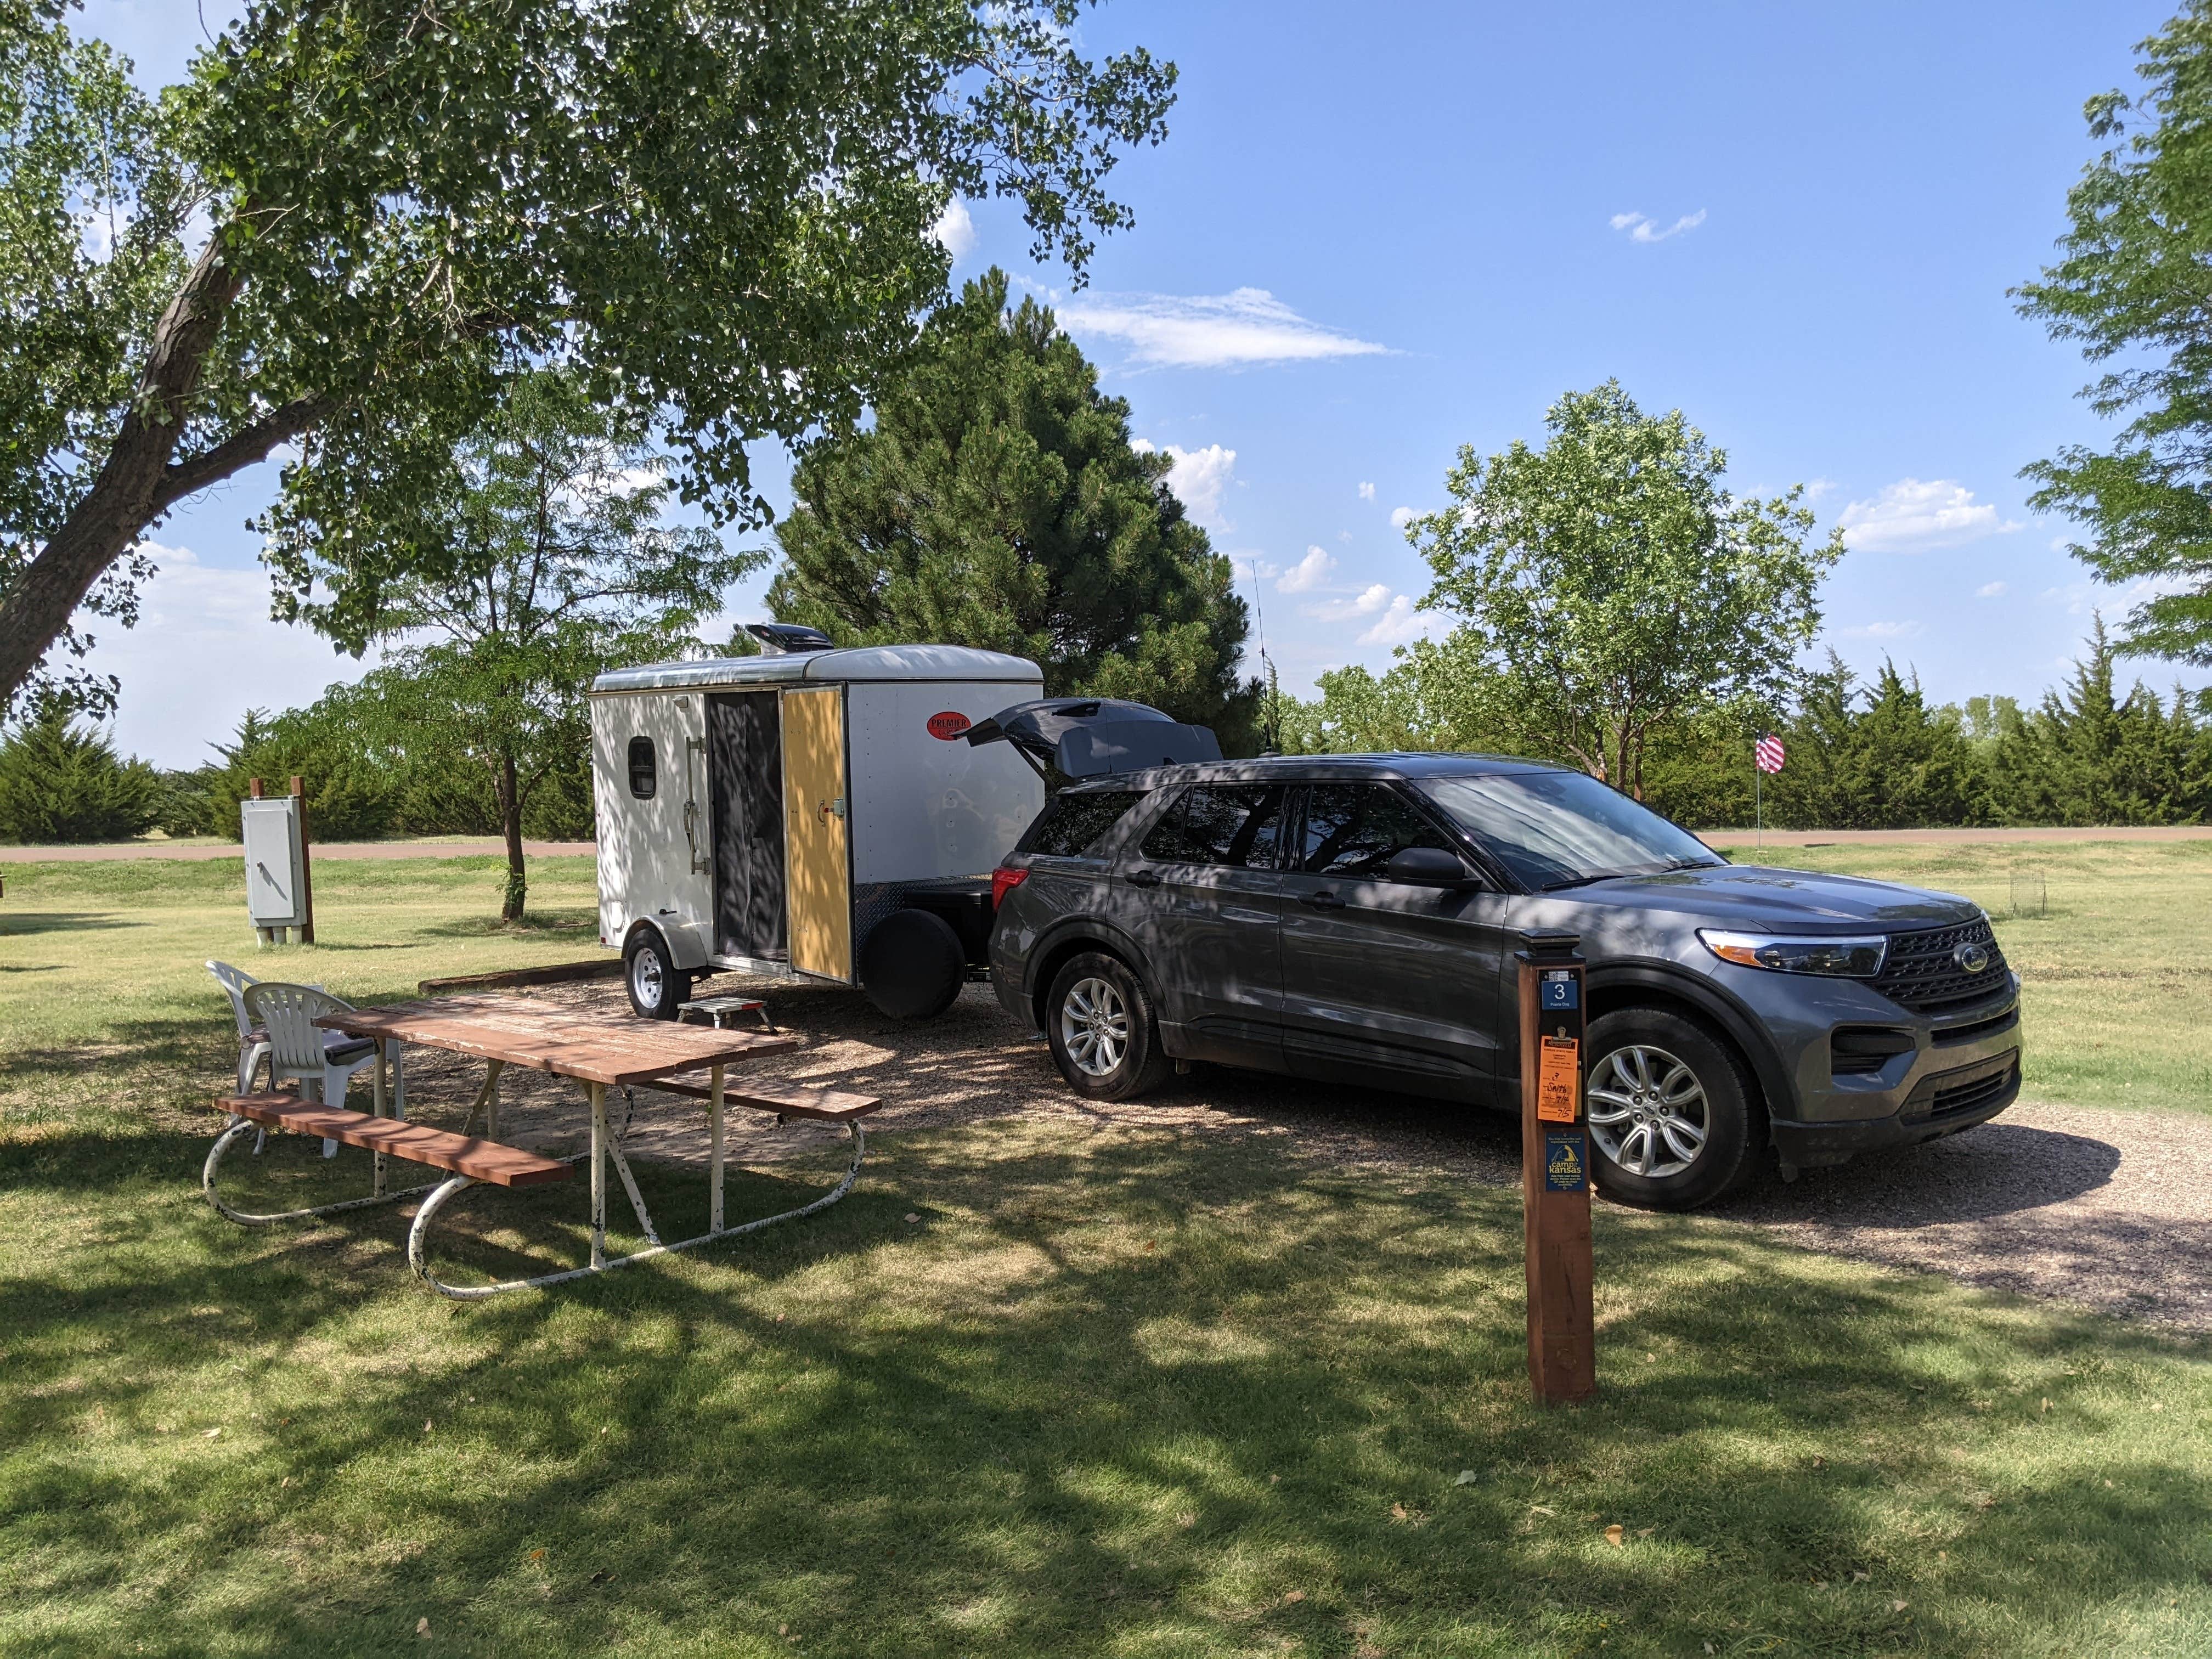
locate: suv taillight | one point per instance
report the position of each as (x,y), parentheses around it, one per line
(1003,882)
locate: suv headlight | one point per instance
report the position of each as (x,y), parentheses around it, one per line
(1852,958)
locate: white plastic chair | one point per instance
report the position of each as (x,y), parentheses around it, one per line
(252,1045)
(300,1048)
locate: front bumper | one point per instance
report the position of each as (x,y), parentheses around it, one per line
(1940,1104)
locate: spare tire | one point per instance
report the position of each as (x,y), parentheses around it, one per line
(912,965)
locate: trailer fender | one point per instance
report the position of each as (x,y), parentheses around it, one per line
(687,940)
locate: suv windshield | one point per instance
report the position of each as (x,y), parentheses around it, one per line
(1561,828)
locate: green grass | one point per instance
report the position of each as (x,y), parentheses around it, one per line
(1112,1390)
(2116,973)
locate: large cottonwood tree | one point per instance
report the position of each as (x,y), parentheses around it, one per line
(359,217)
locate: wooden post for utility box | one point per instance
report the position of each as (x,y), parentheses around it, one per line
(307,870)
(1555,1188)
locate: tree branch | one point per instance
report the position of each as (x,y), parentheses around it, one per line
(241,449)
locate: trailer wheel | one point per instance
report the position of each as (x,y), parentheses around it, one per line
(658,988)
(912,965)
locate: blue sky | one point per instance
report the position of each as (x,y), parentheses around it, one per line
(1376,234)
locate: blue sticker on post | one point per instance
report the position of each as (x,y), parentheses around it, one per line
(1566,1161)
(1558,989)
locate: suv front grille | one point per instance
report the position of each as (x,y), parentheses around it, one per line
(1921,973)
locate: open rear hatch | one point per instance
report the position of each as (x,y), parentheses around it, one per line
(1093,736)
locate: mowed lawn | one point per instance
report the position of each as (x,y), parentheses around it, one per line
(1040,1386)
(2116,973)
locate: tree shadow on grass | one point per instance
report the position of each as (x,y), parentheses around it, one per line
(21,924)
(1129,1395)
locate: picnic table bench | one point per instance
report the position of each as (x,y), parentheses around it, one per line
(598,1052)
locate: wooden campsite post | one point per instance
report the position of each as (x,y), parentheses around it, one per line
(306,869)
(1555,1191)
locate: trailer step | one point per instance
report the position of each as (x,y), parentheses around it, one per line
(715,1008)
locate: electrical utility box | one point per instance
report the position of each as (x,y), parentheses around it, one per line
(276,865)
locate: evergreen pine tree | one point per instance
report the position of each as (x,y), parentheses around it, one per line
(60,782)
(998,502)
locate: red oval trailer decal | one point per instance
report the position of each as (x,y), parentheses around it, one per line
(949,725)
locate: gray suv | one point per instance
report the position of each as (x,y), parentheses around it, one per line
(1354,917)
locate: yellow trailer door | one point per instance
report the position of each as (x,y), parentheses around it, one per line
(817,847)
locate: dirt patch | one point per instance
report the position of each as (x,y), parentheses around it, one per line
(2109,1210)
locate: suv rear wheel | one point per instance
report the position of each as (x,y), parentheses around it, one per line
(1100,1024)
(1670,1114)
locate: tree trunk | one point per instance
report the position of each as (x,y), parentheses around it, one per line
(510,816)
(128,494)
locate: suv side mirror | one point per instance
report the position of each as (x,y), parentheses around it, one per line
(1427,866)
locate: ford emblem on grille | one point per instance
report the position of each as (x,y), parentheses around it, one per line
(1972,956)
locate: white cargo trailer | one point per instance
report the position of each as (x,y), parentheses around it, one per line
(808,812)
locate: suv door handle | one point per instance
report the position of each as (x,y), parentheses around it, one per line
(1321,902)
(1141,879)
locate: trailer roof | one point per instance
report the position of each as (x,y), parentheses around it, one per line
(872,662)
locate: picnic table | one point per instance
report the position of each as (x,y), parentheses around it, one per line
(599,1053)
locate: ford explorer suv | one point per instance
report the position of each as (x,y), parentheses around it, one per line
(1354,917)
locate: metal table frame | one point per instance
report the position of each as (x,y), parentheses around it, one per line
(377,1024)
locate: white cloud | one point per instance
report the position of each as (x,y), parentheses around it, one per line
(1369,602)
(1642,229)
(1400,517)
(1401,624)
(205,651)
(1199,479)
(1991,590)
(1910,516)
(1882,630)
(1251,567)
(1819,488)
(1367,492)
(954,231)
(1309,573)
(1223,330)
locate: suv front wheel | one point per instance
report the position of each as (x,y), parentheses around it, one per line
(1099,1022)
(1670,1113)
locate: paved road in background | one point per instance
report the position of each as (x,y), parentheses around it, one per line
(332,849)
(544,849)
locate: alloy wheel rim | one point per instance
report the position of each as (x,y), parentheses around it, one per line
(1648,1112)
(1094,1026)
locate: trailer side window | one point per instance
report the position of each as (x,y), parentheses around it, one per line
(1220,823)
(641,769)
(1070,825)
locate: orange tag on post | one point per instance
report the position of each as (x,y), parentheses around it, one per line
(1558,1066)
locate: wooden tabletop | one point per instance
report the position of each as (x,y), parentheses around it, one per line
(549,1038)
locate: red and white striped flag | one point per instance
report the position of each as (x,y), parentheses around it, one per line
(1766,753)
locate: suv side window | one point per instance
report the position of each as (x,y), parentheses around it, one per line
(1233,823)
(1070,825)
(1354,829)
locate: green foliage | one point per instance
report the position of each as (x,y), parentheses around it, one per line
(2129,289)
(997,502)
(91,206)
(1607,586)
(707,209)
(1870,758)
(1861,757)
(2093,755)
(63,781)
(546,527)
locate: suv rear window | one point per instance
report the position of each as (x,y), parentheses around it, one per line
(1220,823)
(1070,825)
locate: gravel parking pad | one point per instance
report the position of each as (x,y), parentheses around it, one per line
(2110,1210)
